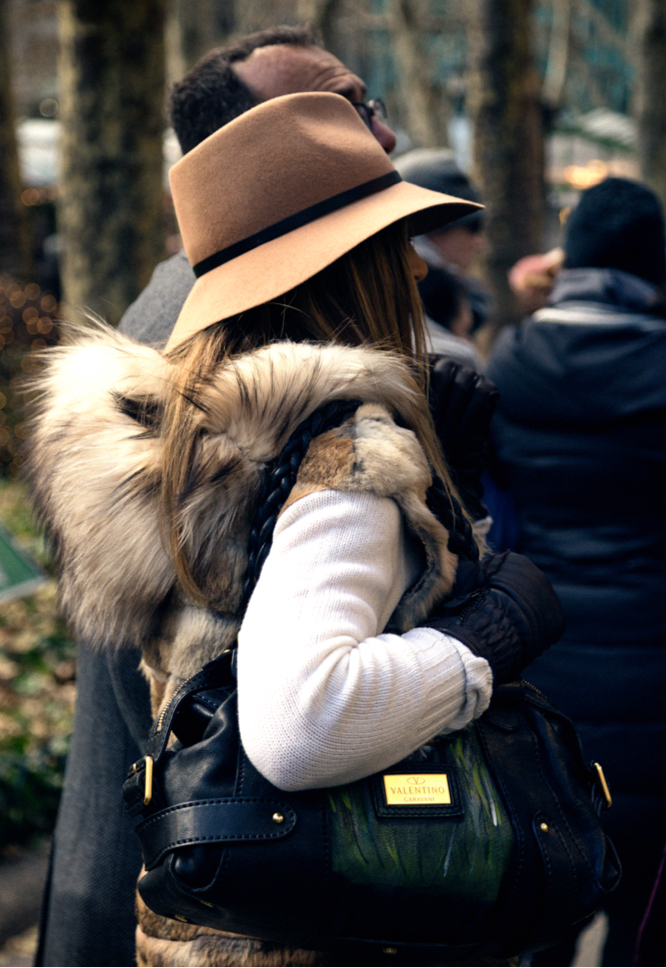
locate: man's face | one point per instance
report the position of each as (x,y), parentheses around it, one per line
(286,69)
(459,246)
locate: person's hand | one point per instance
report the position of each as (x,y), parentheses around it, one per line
(531,279)
(462,403)
(503,609)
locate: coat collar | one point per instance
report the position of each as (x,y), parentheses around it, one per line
(610,287)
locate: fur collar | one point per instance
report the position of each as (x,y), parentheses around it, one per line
(94,469)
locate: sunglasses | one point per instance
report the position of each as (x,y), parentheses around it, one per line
(369,110)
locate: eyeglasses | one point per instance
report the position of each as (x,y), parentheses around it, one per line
(369,110)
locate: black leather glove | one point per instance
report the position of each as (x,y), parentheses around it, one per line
(462,403)
(505,610)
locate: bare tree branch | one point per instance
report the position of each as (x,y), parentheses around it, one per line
(321,14)
(608,34)
(422,101)
(558,54)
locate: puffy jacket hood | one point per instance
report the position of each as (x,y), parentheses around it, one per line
(596,354)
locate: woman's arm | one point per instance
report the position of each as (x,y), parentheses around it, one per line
(325,697)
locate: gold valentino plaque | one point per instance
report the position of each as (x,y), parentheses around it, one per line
(416,789)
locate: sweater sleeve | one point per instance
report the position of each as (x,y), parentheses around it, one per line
(325,697)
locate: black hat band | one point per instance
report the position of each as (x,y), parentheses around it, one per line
(286,225)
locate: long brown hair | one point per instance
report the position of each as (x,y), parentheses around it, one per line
(367,297)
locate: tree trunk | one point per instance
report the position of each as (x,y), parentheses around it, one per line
(111,215)
(652,103)
(424,107)
(193,27)
(14,240)
(508,142)
(322,15)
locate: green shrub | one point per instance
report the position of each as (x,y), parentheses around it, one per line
(37,692)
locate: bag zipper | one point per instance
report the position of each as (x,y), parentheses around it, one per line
(160,718)
(538,691)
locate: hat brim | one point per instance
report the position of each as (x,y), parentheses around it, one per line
(271,269)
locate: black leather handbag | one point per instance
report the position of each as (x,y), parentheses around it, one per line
(486,842)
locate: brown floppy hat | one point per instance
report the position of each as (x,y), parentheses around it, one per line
(280,193)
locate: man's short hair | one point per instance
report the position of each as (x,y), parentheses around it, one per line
(212,94)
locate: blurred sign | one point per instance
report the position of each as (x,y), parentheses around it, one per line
(19,575)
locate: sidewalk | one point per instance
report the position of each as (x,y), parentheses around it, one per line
(19,952)
(21,885)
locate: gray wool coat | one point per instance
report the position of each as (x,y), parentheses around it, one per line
(88,912)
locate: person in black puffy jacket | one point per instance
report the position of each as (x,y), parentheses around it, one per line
(580,437)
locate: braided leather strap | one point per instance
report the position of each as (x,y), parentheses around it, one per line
(510,617)
(281,479)
(447,509)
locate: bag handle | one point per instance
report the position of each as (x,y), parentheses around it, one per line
(280,481)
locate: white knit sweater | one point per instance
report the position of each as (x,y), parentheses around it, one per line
(325,697)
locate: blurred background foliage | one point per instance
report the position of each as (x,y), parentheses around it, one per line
(28,322)
(37,667)
(37,691)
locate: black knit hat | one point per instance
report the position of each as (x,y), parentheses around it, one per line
(436,169)
(618,224)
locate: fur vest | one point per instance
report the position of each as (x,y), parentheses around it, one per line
(94,469)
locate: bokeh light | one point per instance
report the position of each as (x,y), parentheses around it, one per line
(28,323)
